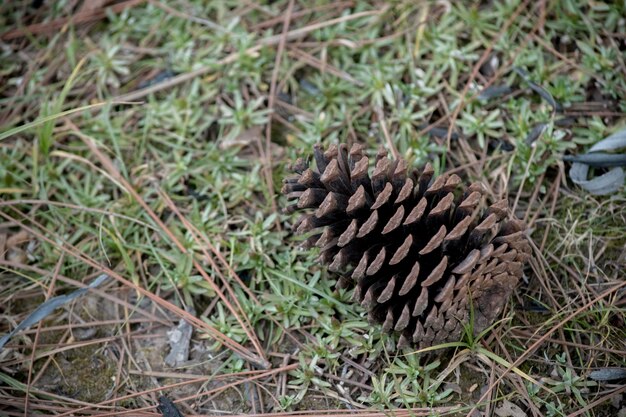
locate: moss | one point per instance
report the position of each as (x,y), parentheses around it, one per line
(84,373)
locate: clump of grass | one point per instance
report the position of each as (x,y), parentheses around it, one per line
(144,153)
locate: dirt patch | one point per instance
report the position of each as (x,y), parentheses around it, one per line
(85,374)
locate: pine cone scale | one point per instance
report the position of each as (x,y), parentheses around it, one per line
(410,280)
(434,242)
(468,263)
(395,221)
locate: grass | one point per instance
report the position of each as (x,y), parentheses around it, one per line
(148,141)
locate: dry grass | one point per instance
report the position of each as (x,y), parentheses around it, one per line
(147,140)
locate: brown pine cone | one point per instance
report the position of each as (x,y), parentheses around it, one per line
(421,251)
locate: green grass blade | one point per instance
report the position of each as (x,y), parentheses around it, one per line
(42,120)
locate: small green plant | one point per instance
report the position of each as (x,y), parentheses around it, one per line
(242,116)
(408,383)
(563,380)
(482,124)
(183,279)
(307,375)
(224,322)
(110,66)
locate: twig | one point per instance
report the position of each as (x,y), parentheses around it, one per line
(68,248)
(79,18)
(182,15)
(543,338)
(314,62)
(295,15)
(483,58)
(271,40)
(114,173)
(239,313)
(383,125)
(267,152)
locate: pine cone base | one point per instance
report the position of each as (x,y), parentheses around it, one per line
(425,257)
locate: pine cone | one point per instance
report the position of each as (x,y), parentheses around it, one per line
(421,252)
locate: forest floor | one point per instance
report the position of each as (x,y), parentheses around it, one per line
(145,142)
